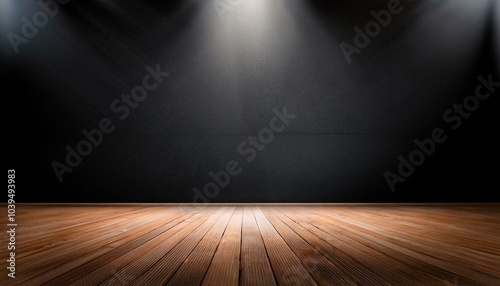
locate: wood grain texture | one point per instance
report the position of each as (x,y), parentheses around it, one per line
(255,245)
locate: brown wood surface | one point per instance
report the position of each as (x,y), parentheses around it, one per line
(255,245)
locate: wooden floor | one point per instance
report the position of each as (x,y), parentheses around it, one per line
(255,245)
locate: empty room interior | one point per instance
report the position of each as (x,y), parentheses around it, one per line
(250,142)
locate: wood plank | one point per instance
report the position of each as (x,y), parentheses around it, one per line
(193,270)
(57,252)
(225,266)
(429,239)
(349,259)
(255,266)
(138,241)
(442,251)
(65,236)
(287,267)
(195,266)
(418,269)
(163,269)
(270,244)
(133,263)
(406,247)
(317,265)
(380,267)
(37,229)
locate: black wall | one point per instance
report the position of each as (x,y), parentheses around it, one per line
(225,78)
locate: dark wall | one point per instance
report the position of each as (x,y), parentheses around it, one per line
(225,78)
